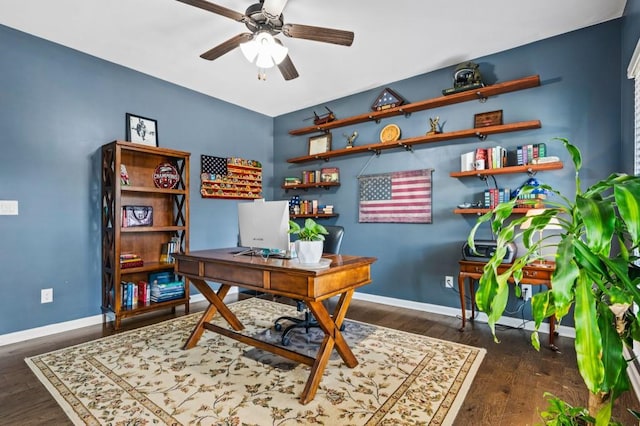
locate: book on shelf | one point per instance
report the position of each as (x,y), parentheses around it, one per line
(528,153)
(130,260)
(162,277)
(168,249)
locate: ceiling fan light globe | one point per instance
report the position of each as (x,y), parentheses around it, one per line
(264,60)
(278,53)
(249,50)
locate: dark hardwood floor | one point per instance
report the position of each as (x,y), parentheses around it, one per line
(506,391)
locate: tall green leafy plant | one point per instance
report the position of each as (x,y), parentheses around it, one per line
(594,274)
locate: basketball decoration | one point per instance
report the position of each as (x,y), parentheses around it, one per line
(166,176)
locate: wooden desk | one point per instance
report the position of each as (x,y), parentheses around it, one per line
(279,277)
(532,274)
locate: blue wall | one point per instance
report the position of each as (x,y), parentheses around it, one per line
(579,99)
(57,107)
(629,40)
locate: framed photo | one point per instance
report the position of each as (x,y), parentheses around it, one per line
(141,130)
(486,119)
(320,144)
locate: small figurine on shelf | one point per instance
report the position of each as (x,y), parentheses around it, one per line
(435,127)
(124,176)
(350,139)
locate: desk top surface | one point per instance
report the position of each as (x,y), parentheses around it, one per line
(227,255)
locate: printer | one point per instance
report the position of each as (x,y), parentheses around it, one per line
(485,249)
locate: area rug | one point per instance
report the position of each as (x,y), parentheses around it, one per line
(145,377)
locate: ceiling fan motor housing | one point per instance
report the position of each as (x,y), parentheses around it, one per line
(257,21)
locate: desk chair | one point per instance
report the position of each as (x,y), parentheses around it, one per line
(332,244)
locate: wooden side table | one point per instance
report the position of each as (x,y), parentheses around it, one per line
(533,274)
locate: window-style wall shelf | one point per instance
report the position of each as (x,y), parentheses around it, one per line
(409,142)
(482,93)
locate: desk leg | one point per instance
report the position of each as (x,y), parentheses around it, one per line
(215,303)
(332,337)
(462,301)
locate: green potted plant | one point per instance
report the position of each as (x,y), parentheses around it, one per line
(310,240)
(594,275)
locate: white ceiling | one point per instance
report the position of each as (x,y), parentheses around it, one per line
(394,39)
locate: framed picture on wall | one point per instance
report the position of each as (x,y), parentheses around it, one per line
(320,144)
(141,130)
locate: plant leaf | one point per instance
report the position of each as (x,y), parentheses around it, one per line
(627,198)
(588,341)
(599,221)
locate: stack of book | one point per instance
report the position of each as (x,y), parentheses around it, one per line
(328,209)
(292,181)
(130,260)
(167,291)
(165,286)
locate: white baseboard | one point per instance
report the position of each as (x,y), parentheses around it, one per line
(20,336)
(455,312)
(48,330)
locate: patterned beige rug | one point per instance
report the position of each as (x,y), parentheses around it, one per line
(144,377)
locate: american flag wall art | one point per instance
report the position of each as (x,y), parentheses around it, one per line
(400,197)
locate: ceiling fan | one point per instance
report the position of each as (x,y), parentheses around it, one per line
(265,20)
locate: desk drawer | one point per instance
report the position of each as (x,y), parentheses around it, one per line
(233,275)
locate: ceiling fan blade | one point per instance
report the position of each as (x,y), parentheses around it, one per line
(220,10)
(325,35)
(272,9)
(287,69)
(227,46)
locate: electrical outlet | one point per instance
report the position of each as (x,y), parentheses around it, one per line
(46,295)
(527,290)
(448,281)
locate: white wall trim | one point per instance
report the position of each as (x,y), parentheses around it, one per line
(633,70)
(455,312)
(20,336)
(61,327)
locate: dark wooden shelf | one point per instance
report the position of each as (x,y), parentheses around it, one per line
(529,168)
(483,211)
(313,215)
(482,93)
(146,189)
(306,186)
(153,229)
(409,142)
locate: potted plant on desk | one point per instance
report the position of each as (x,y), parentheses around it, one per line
(594,274)
(310,240)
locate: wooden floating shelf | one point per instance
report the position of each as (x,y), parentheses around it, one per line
(312,215)
(529,168)
(306,186)
(480,212)
(481,93)
(409,142)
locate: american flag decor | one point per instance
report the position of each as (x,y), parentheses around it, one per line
(213,165)
(400,197)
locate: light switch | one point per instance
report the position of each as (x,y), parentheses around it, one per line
(9,207)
